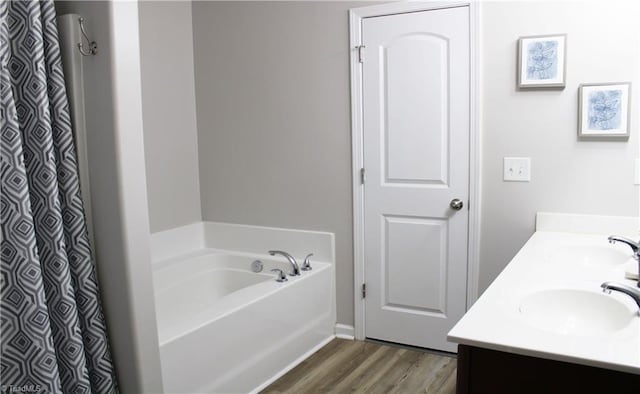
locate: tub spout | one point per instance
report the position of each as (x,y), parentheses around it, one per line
(295,268)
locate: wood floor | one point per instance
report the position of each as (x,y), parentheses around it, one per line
(344,366)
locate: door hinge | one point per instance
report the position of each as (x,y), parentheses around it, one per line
(364,290)
(360,49)
(362,176)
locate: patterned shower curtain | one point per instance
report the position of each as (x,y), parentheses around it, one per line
(53,333)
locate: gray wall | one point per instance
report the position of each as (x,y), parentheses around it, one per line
(567,175)
(169,111)
(272,94)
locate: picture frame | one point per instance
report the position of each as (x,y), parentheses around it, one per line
(604,110)
(542,62)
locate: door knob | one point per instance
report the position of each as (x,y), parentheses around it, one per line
(456,204)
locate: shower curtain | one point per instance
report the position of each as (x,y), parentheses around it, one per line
(53,333)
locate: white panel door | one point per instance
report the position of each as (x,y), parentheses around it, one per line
(416,157)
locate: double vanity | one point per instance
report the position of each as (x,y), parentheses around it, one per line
(545,323)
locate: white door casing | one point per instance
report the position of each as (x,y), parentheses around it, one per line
(415,111)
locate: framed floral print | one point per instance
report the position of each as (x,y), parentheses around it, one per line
(604,110)
(542,61)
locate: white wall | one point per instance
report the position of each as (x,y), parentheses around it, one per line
(169,110)
(568,175)
(118,190)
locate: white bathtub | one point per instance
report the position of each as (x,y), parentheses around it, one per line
(226,329)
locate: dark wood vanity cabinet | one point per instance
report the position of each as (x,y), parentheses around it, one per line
(487,371)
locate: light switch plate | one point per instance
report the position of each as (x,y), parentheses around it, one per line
(517,169)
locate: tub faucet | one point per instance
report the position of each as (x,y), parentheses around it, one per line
(607,287)
(294,264)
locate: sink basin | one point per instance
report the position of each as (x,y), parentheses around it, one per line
(575,312)
(589,255)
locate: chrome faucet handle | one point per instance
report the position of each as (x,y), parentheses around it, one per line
(282,277)
(306,266)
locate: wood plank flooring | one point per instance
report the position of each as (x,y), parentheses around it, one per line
(344,366)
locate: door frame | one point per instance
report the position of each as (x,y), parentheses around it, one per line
(356,16)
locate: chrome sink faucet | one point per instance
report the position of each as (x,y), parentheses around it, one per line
(635,246)
(294,264)
(608,287)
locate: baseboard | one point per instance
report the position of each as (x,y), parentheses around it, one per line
(344,331)
(293,364)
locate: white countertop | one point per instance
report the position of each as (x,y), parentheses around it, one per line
(500,320)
